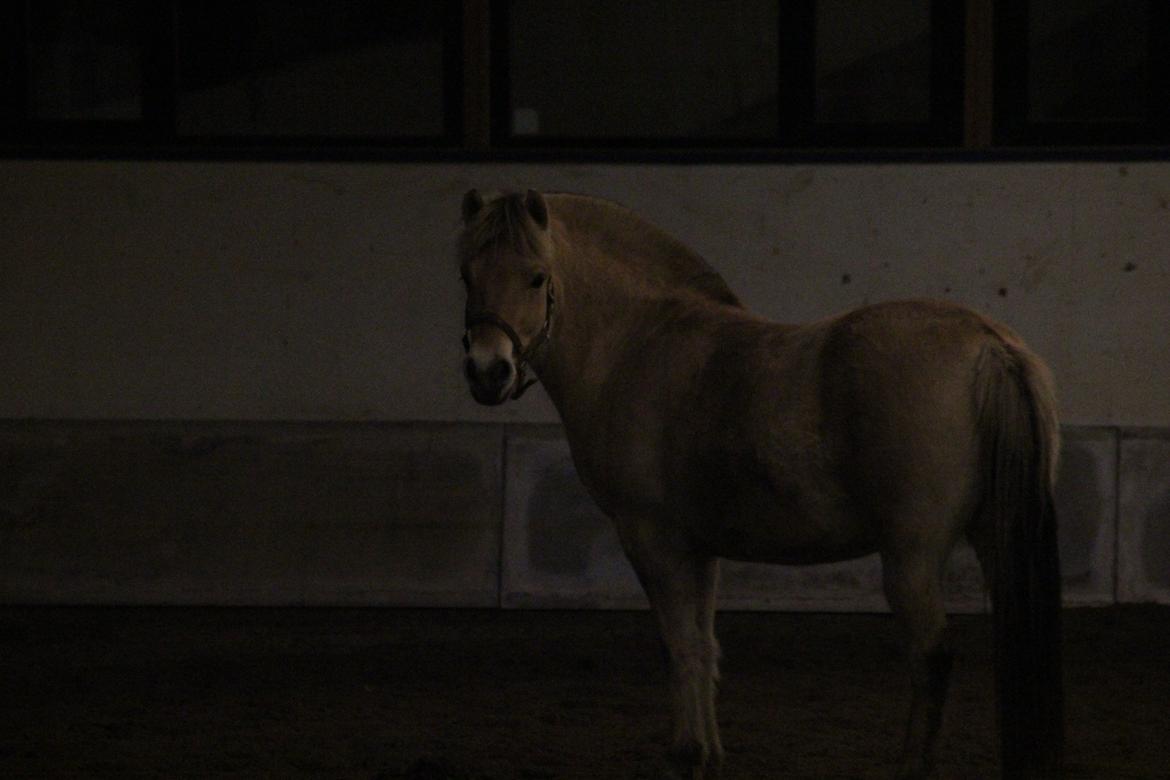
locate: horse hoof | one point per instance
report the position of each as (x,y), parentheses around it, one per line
(687,765)
(912,771)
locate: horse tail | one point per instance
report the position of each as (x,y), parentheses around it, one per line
(1020,441)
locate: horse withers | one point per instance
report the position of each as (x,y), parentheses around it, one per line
(707,432)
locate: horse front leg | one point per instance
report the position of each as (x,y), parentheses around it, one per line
(681,585)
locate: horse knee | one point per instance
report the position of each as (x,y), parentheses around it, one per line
(712,654)
(693,654)
(938,663)
(687,664)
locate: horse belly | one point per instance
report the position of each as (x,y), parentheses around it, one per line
(763,522)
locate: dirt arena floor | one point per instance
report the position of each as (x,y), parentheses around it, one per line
(444,694)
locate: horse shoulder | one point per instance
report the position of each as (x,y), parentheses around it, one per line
(655,401)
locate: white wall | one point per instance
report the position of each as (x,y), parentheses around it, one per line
(266,291)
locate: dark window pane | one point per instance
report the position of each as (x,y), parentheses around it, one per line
(873,61)
(336,69)
(85,60)
(1087,60)
(662,69)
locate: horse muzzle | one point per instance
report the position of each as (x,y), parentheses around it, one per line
(490,381)
(492,378)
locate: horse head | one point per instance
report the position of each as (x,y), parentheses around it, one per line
(505,256)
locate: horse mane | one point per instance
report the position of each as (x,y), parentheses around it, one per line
(645,250)
(642,246)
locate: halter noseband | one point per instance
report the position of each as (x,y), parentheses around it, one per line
(523,356)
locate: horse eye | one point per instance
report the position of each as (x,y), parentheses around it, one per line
(538,281)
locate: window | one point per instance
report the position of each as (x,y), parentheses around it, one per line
(247,73)
(263,68)
(1082,72)
(605,70)
(875,74)
(742,72)
(872,64)
(79,70)
(85,61)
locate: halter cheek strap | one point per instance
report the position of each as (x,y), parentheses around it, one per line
(523,355)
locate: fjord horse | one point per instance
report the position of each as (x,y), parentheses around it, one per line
(707,432)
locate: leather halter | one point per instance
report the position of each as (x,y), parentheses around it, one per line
(523,356)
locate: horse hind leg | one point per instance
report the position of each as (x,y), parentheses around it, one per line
(913,587)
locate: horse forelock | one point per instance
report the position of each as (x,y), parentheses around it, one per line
(504,224)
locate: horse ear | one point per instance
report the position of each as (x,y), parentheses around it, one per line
(537,208)
(472,203)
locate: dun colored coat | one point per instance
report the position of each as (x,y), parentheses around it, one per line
(708,432)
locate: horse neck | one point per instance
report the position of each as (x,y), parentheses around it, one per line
(602,310)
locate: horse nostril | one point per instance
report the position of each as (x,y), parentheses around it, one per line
(500,373)
(497,375)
